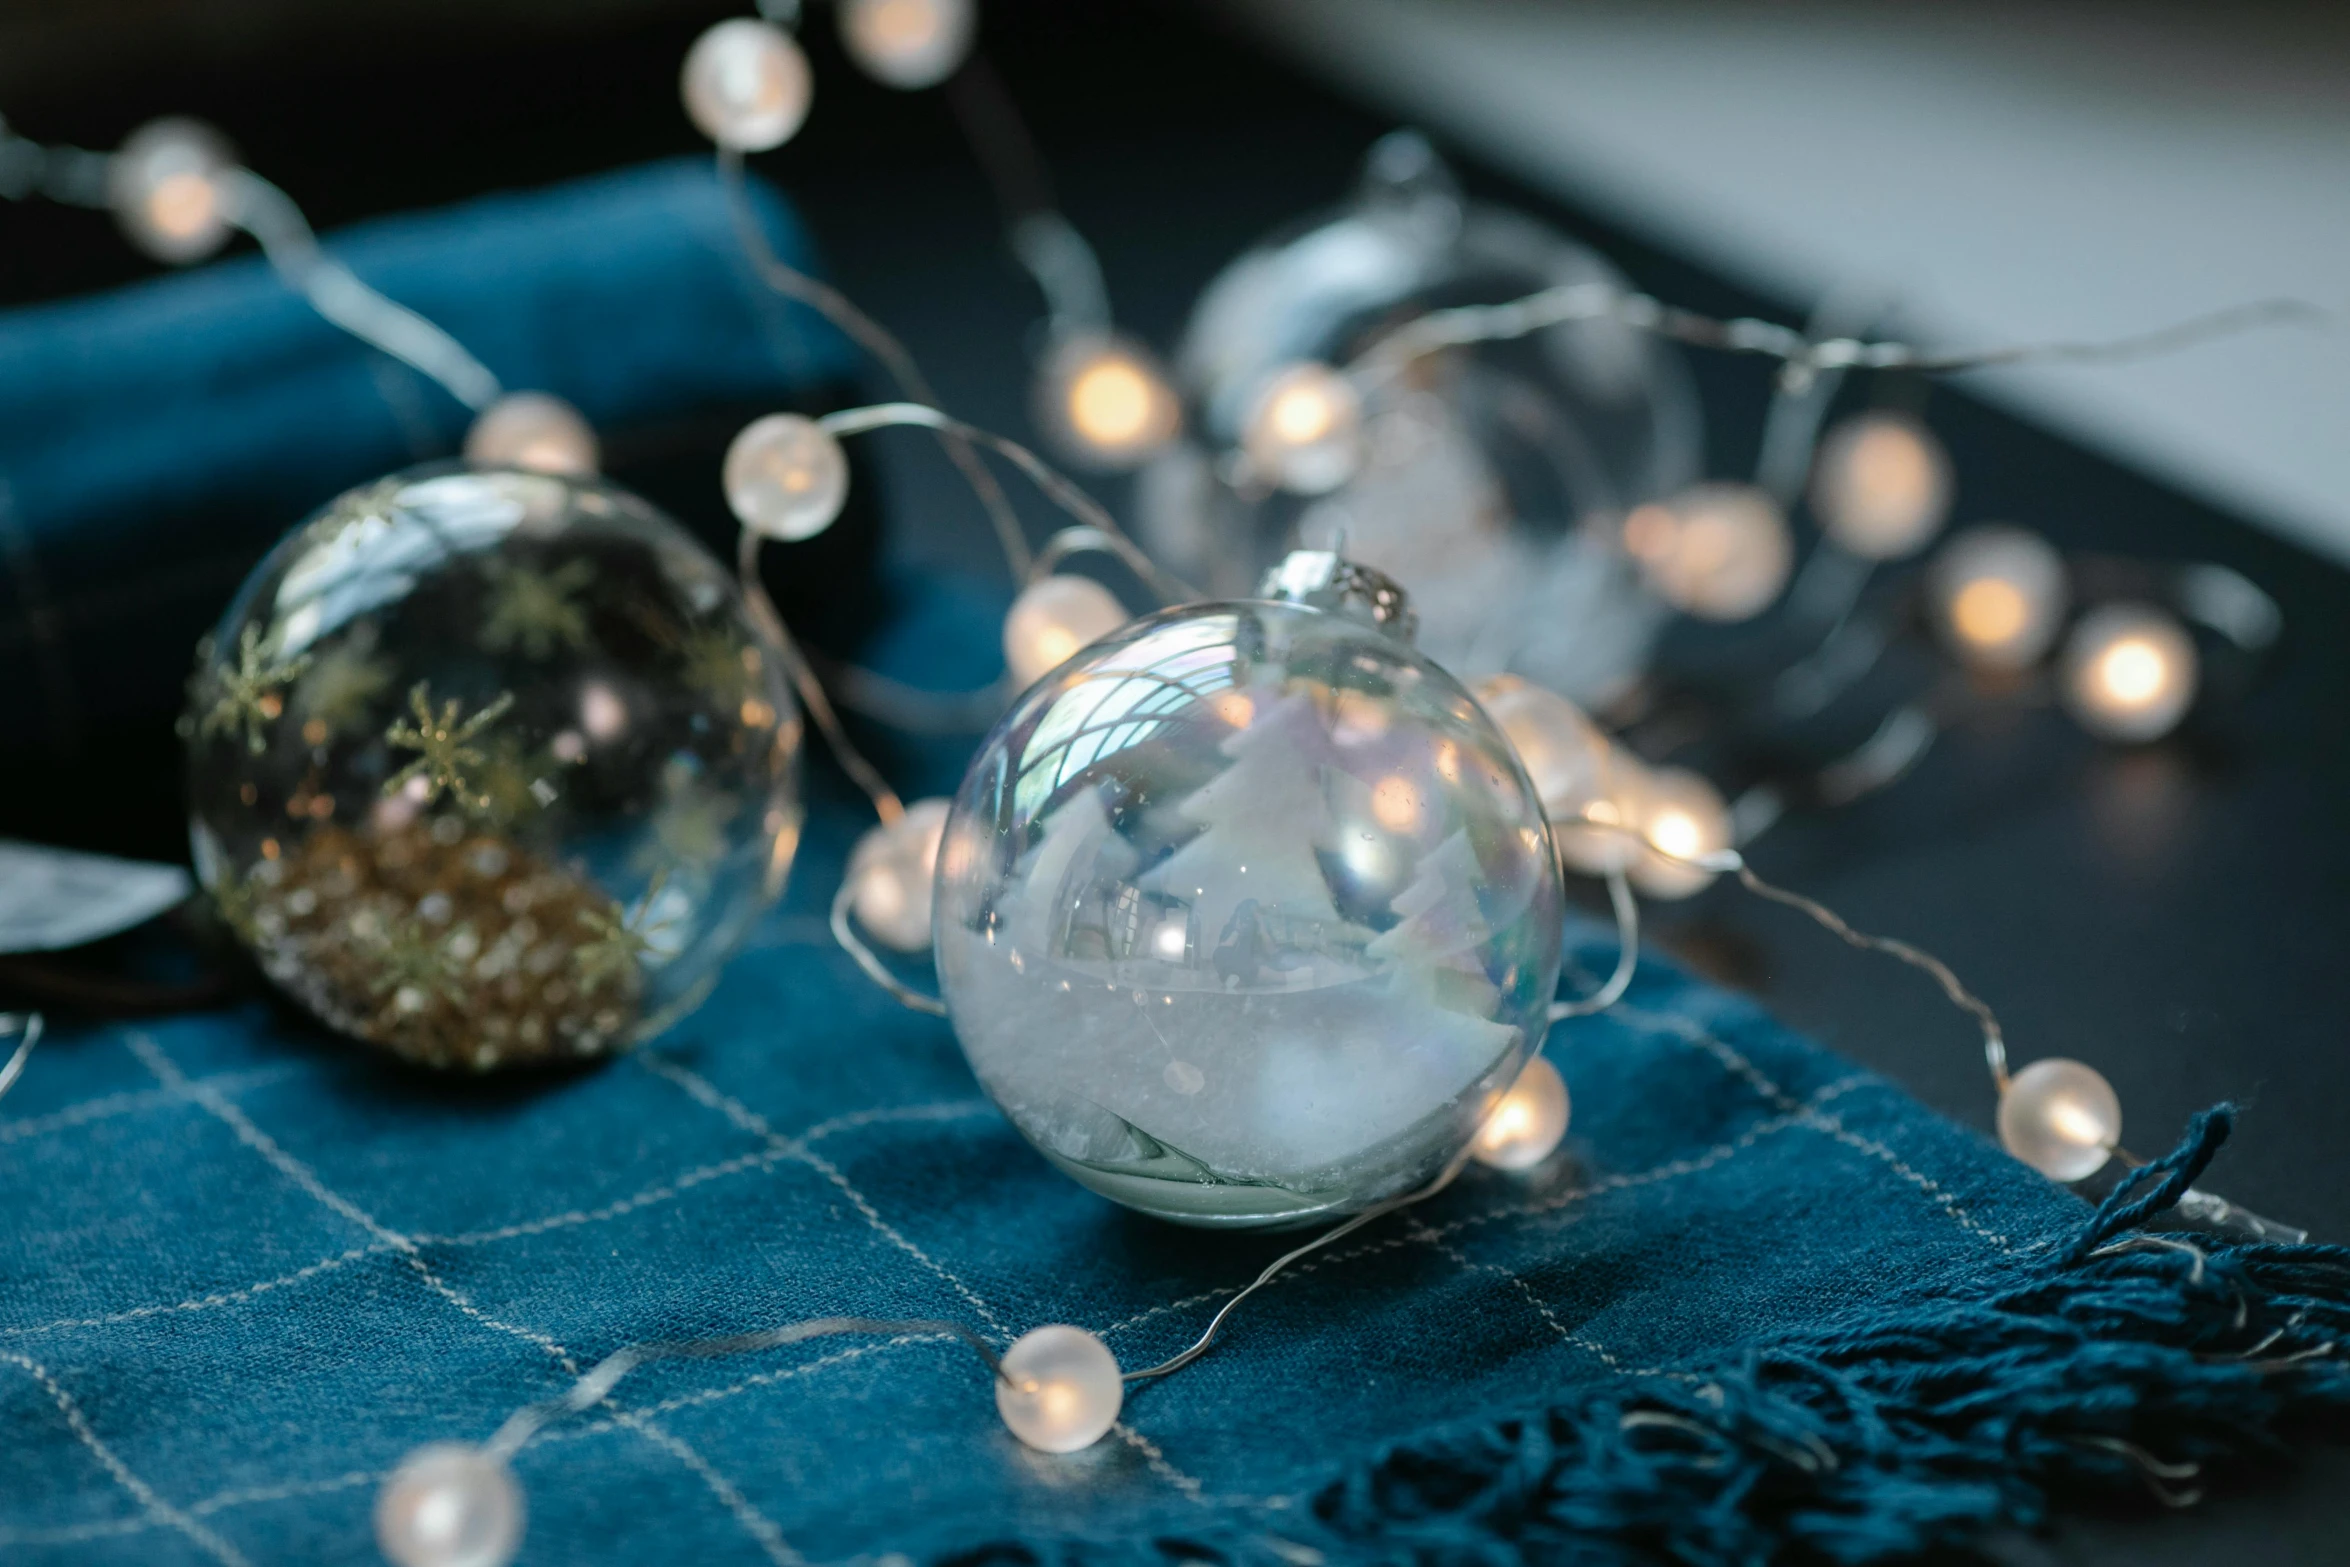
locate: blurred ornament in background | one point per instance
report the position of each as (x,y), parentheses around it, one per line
(893,868)
(746,85)
(491,767)
(169,187)
(1246,913)
(1998,596)
(2130,672)
(1052,619)
(1716,551)
(1490,480)
(1881,486)
(535,431)
(1104,403)
(908,44)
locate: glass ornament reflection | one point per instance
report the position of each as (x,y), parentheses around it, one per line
(491,767)
(1247,915)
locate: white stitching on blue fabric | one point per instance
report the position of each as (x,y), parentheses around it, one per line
(107,1106)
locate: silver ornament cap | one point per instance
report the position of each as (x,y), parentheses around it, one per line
(1325,579)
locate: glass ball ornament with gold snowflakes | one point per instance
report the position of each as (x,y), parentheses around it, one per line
(490,767)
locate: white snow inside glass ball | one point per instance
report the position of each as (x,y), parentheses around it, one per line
(1247,916)
(491,767)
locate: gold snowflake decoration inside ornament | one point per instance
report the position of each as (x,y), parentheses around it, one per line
(251,696)
(444,752)
(344,685)
(537,610)
(619,941)
(416,967)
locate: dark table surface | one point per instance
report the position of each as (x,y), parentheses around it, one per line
(2170,914)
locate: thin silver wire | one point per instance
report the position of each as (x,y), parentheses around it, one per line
(877,341)
(28,1027)
(844,931)
(598,1381)
(267,213)
(1627,907)
(72,176)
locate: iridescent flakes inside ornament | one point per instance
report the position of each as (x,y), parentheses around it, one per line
(1247,916)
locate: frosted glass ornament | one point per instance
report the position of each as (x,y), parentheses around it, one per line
(1528,1124)
(2061,1118)
(786,477)
(1060,1391)
(1999,596)
(449,1505)
(1051,619)
(893,868)
(1881,485)
(2130,672)
(167,184)
(1715,551)
(746,85)
(532,430)
(491,767)
(1247,915)
(908,44)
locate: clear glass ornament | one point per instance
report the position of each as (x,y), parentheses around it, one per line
(1247,915)
(1491,480)
(491,767)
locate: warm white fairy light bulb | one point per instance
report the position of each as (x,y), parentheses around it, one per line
(2130,672)
(786,477)
(1528,1123)
(1881,485)
(1304,429)
(449,1505)
(2061,1118)
(1060,1391)
(1998,595)
(907,43)
(1715,551)
(1106,402)
(1680,818)
(1052,619)
(532,430)
(168,187)
(747,85)
(1589,787)
(893,869)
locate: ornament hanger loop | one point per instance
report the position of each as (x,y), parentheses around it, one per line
(1326,579)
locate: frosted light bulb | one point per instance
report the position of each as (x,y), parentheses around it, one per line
(2129,672)
(2061,1118)
(786,477)
(1682,815)
(535,431)
(167,186)
(449,1505)
(894,868)
(1998,596)
(907,43)
(1304,429)
(1060,1391)
(1528,1123)
(747,85)
(1881,486)
(1559,748)
(1052,619)
(1106,402)
(1715,551)
(1595,831)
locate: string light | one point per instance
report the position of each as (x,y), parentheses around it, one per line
(1528,1124)
(169,190)
(533,430)
(1303,431)
(450,1505)
(894,869)
(1682,821)
(26,1026)
(1881,485)
(2061,1118)
(747,85)
(1998,596)
(1060,1390)
(1715,551)
(1052,619)
(1105,401)
(2130,672)
(908,44)
(786,477)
